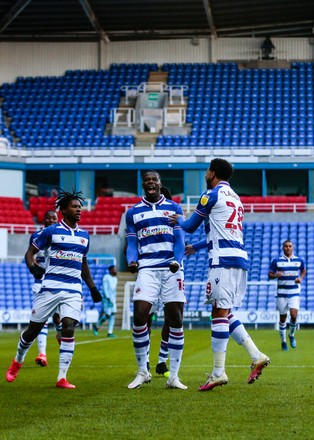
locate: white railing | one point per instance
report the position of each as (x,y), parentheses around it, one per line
(100,229)
(20,228)
(176,93)
(29,229)
(131,92)
(122,117)
(174,116)
(260,207)
(152,86)
(277,207)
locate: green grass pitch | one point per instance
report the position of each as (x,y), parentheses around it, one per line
(277,406)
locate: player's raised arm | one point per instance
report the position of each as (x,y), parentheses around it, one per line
(190,225)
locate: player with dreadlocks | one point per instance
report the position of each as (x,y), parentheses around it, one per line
(66,247)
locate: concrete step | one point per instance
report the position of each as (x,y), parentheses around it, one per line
(158,77)
(145,139)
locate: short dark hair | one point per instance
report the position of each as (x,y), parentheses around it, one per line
(111,266)
(222,168)
(50,211)
(287,241)
(150,171)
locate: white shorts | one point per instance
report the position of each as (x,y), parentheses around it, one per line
(225,287)
(36,288)
(68,305)
(285,304)
(162,284)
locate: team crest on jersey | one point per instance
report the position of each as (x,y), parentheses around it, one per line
(166,213)
(62,238)
(217,280)
(204,199)
(82,240)
(137,290)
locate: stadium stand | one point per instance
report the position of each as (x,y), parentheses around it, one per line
(263,242)
(107,211)
(274,203)
(235,110)
(233,107)
(227,107)
(104,219)
(13,212)
(71,110)
(19,295)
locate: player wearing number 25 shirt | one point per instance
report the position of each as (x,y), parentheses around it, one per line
(222,211)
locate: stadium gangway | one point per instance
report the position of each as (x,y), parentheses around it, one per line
(176,93)
(122,117)
(174,116)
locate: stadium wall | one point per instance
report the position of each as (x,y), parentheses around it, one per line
(230,49)
(12,183)
(40,59)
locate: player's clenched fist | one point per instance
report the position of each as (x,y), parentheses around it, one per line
(133,266)
(174,266)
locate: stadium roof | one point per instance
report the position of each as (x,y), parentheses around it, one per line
(130,20)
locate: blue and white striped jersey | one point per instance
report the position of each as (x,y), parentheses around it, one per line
(222,211)
(40,256)
(291,268)
(149,223)
(64,249)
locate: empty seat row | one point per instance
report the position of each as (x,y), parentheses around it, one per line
(19,295)
(71,110)
(257,235)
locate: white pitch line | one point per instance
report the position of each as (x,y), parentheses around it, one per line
(93,341)
(243,366)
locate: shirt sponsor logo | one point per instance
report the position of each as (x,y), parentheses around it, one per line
(158,230)
(68,256)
